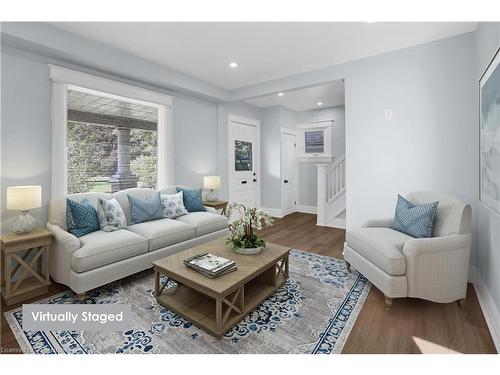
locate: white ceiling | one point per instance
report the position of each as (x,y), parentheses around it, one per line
(330,94)
(264,51)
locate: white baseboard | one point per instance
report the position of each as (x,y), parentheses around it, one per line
(338,222)
(275,212)
(307,209)
(490,311)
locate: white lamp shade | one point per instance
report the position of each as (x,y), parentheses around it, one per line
(211,182)
(21,198)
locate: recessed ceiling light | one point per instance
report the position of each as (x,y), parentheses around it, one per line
(280,94)
(319,103)
(233,64)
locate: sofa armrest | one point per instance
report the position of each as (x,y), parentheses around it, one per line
(437,268)
(419,246)
(378,223)
(62,249)
(211,210)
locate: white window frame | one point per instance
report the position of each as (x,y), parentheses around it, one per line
(326,155)
(63,78)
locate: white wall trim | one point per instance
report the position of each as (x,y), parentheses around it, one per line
(338,222)
(307,209)
(63,79)
(275,212)
(59,112)
(490,311)
(105,85)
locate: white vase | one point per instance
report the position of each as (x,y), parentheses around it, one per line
(249,251)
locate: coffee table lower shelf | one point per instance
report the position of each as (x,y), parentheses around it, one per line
(217,315)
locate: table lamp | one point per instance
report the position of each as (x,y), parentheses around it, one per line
(23,198)
(211,183)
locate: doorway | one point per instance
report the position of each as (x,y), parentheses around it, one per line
(288,171)
(244,160)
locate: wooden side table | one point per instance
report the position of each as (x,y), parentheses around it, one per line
(31,279)
(218,205)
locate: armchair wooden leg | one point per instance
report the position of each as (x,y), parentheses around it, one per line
(462,302)
(81,296)
(388,302)
(348,266)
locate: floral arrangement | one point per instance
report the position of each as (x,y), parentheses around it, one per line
(246,222)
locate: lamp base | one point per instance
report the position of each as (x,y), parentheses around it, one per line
(211,196)
(24,223)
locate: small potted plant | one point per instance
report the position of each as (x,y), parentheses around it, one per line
(243,223)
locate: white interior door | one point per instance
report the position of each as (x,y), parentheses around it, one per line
(289,185)
(244,159)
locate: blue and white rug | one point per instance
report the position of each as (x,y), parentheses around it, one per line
(313,312)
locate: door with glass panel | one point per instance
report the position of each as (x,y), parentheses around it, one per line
(244,158)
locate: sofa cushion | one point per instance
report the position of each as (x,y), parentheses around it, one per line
(164,232)
(381,246)
(204,222)
(101,248)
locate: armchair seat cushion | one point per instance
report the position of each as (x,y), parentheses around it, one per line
(164,232)
(381,246)
(101,248)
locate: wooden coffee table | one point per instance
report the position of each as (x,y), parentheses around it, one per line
(216,305)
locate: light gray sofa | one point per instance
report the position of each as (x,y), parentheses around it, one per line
(101,257)
(435,269)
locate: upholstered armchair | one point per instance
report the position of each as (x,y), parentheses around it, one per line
(435,269)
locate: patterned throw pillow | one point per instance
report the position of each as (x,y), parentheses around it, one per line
(414,220)
(81,218)
(192,199)
(145,209)
(111,216)
(172,206)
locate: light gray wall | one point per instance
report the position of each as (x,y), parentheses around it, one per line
(488,255)
(273,119)
(308,174)
(431,141)
(25,131)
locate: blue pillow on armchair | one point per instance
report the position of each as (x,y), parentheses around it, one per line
(415,220)
(193,201)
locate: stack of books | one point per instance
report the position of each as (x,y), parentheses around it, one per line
(210,265)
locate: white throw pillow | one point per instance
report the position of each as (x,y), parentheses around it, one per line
(111,216)
(172,206)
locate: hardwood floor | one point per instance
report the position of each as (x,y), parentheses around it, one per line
(412,326)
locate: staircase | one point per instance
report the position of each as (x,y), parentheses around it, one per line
(331,194)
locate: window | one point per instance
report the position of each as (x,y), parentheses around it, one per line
(314,141)
(111,143)
(243,156)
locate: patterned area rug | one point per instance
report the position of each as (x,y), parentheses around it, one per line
(312,313)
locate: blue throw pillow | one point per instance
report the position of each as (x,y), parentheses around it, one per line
(192,199)
(414,220)
(81,218)
(145,209)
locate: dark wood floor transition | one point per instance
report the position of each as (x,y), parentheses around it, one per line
(412,326)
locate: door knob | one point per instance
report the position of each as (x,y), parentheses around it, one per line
(286,181)
(254,180)
(243,182)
